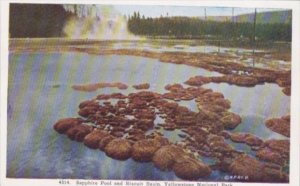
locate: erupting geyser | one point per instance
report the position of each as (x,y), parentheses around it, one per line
(96,22)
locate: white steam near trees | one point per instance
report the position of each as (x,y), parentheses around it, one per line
(96,22)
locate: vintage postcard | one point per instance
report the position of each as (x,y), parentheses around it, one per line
(129,93)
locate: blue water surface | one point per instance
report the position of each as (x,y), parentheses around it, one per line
(40,93)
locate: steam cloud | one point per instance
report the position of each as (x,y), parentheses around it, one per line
(96,22)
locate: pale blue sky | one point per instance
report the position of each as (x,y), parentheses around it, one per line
(194,11)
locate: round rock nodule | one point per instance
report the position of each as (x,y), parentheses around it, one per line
(63,125)
(143,150)
(78,132)
(92,139)
(119,149)
(104,141)
(268,155)
(273,175)
(191,169)
(91,103)
(230,120)
(164,158)
(245,165)
(247,138)
(142,86)
(279,125)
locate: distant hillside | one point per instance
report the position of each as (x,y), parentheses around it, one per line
(267,17)
(262,17)
(278,29)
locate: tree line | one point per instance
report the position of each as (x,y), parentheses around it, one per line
(37,20)
(196,28)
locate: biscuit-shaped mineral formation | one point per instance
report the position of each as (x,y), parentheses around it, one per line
(279,125)
(164,158)
(189,168)
(78,132)
(144,150)
(92,139)
(141,86)
(119,149)
(62,125)
(246,166)
(247,138)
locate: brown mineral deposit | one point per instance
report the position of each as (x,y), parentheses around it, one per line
(78,132)
(96,86)
(231,120)
(279,125)
(143,150)
(246,166)
(92,139)
(247,138)
(267,154)
(164,158)
(62,125)
(119,149)
(188,168)
(142,86)
(104,141)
